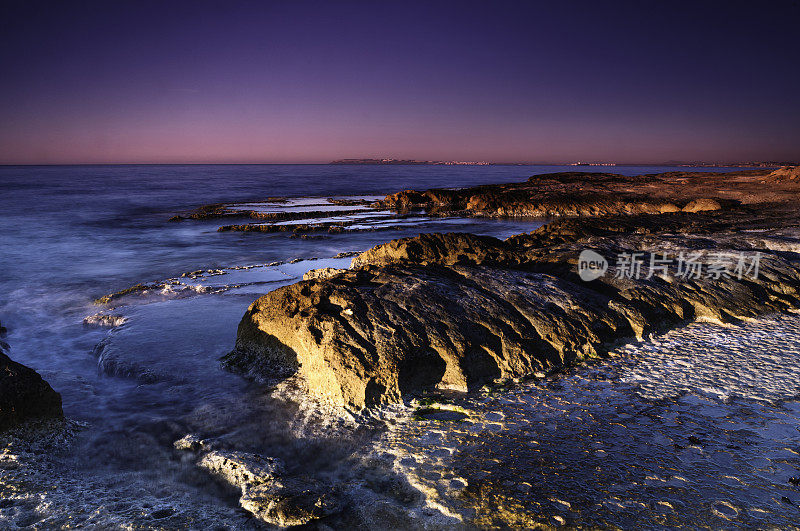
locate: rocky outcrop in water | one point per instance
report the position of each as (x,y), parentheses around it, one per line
(105,320)
(266,490)
(322,273)
(455,311)
(24,394)
(566,194)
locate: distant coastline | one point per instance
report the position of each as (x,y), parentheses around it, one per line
(410,162)
(695,164)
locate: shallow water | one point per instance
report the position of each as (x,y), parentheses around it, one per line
(72,234)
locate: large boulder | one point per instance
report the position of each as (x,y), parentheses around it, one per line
(24,394)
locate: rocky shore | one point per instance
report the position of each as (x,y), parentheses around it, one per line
(456,311)
(546,196)
(663,432)
(601,194)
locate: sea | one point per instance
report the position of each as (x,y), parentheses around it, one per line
(72,234)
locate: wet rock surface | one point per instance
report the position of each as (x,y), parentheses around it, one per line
(24,394)
(304,216)
(311,218)
(104,320)
(455,311)
(42,488)
(268,493)
(566,194)
(699,427)
(277,209)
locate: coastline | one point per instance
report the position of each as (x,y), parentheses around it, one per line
(456,311)
(408,463)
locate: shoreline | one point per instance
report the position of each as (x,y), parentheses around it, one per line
(454,311)
(425,272)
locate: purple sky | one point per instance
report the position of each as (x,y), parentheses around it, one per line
(118,81)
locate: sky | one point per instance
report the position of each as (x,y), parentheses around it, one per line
(307,82)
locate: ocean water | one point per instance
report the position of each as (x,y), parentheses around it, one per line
(71,234)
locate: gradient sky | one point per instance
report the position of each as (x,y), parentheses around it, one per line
(228,81)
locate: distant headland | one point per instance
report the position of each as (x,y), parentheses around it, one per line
(695,164)
(409,161)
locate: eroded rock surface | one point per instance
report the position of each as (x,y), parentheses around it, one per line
(266,491)
(454,311)
(24,394)
(322,273)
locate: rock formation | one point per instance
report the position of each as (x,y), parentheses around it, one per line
(566,194)
(784,174)
(594,194)
(454,311)
(266,491)
(24,394)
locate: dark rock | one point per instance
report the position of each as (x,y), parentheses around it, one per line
(24,395)
(440,414)
(224,211)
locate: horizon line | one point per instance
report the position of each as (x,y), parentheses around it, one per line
(417,163)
